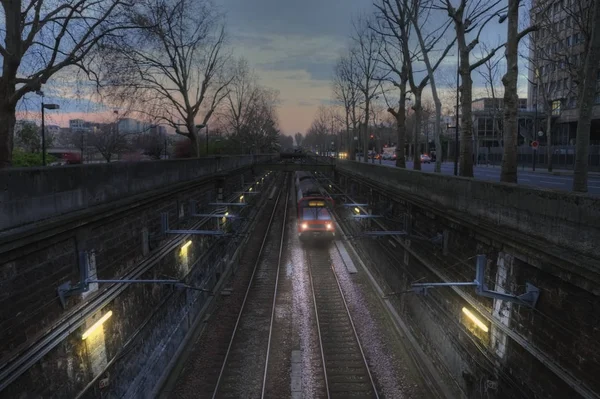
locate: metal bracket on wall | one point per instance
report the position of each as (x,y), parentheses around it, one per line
(529,298)
(67,289)
(194,207)
(164,228)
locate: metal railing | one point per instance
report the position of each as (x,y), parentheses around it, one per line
(563,157)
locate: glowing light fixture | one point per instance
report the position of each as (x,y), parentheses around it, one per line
(241,197)
(226,213)
(304,226)
(475,320)
(328,226)
(96,325)
(250,189)
(186,245)
(356,210)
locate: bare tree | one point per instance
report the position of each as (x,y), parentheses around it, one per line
(511,97)
(41,38)
(346,92)
(365,50)
(154,144)
(401,18)
(587,89)
(174,64)
(427,45)
(490,73)
(242,98)
(108,141)
(469,17)
(394,70)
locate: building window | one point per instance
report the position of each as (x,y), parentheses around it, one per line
(556,108)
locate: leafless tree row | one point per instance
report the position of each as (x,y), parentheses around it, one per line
(167,59)
(395,53)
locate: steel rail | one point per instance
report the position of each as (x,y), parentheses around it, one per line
(241,312)
(281,242)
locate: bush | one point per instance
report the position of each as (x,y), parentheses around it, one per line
(22,159)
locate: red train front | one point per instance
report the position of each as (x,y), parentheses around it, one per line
(314,218)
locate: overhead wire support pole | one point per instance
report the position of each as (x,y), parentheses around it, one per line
(67,289)
(529,298)
(164,228)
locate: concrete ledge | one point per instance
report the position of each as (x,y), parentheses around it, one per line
(567,220)
(29,195)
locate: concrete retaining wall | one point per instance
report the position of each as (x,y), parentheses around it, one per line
(33,194)
(568,220)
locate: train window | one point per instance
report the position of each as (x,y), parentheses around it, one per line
(315,214)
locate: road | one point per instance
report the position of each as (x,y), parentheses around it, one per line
(539,178)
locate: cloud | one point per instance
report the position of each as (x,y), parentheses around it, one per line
(316,71)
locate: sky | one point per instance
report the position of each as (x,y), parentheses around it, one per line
(293,46)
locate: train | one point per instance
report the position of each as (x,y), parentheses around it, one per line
(314,217)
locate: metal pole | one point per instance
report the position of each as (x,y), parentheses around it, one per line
(43,137)
(456,149)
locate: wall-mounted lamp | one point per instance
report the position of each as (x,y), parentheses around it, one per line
(96,325)
(475,320)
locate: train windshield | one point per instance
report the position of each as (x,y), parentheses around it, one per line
(315,214)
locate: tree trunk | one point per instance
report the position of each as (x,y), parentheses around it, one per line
(401,134)
(436,132)
(7,125)
(366,132)
(466,120)
(511,98)
(586,100)
(549,140)
(416,130)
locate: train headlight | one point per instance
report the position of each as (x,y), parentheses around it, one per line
(329,226)
(304,226)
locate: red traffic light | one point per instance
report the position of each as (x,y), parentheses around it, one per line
(535,144)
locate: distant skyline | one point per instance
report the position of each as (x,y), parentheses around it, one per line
(293,46)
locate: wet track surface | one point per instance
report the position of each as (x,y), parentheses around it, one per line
(295,366)
(347,372)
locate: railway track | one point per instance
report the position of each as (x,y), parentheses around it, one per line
(346,371)
(243,372)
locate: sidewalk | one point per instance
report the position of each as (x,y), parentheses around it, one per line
(542,170)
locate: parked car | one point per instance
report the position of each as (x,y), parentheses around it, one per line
(425,158)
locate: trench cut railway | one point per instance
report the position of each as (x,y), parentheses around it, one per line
(346,370)
(104,223)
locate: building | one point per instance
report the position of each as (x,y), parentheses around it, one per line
(79,125)
(488,115)
(556,53)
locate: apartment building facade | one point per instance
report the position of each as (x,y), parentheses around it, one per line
(556,56)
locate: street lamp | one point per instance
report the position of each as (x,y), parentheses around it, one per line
(45,106)
(200,126)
